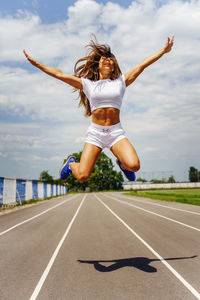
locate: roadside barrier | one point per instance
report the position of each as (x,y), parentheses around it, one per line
(16,191)
(148,186)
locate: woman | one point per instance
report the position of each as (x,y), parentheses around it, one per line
(101,87)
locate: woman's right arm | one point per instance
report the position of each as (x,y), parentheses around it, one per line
(74,81)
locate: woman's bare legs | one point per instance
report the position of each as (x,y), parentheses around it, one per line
(83,170)
(125,152)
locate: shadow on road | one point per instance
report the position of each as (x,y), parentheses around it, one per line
(141,263)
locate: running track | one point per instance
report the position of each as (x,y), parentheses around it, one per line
(103,246)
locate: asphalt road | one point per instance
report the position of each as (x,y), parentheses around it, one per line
(103,246)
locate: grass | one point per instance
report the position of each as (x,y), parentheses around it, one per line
(189,196)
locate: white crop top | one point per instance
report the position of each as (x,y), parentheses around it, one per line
(105,92)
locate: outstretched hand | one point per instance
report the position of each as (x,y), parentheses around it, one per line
(169,44)
(31,60)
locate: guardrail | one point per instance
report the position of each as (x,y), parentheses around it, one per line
(148,186)
(16,191)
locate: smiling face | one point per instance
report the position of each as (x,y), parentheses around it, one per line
(106,66)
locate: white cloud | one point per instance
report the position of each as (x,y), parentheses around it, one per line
(36,95)
(35,158)
(83,16)
(161,109)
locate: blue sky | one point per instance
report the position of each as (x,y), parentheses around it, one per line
(39,120)
(49,11)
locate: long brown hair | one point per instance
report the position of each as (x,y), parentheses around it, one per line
(90,68)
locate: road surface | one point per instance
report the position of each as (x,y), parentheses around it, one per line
(100,246)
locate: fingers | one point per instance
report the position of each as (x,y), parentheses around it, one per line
(169,44)
(25,54)
(30,59)
(171,41)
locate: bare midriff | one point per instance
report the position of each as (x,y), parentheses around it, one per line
(106,116)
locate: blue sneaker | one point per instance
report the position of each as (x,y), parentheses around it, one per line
(129,174)
(65,171)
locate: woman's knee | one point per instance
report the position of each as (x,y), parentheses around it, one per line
(83,176)
(133,165)
(137,166)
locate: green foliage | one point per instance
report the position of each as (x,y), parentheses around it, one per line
(194,174)
(141,179)
(163,180)
(103,176)
(45,177)
(171,179)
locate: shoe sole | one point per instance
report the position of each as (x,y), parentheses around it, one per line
(65,163)
(121,168)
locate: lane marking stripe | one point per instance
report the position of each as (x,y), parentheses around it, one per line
(146,202)
(51,262)
(34,217)
(153,213)
(178,276)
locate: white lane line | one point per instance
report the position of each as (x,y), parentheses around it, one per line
(153,213)
(32,218)
(48,268)
(147,202)
(178,276)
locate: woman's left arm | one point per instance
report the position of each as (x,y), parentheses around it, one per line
(137,70)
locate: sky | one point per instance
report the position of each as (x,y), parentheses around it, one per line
(40,122)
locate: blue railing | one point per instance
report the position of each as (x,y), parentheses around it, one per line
(13,191)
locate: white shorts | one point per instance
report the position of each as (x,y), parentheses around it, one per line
(104,136)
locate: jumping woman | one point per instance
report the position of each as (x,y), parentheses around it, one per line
(101,86)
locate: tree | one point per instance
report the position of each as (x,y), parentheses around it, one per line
(194,174)
(45,177)
(171,179)
(103,176)
(163,180)
(141,179)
